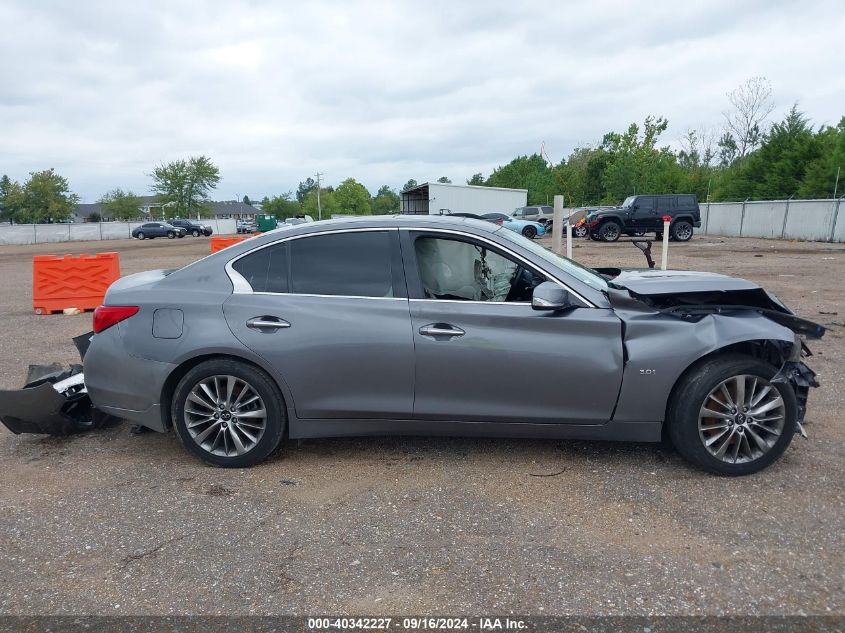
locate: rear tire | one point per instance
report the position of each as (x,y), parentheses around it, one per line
(171,235)
(218,446)
(195,233)
(682,231)
(690,431)
(609,231)
(580,231)
(530,232)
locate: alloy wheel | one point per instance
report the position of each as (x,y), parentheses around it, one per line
(741,419)
(225,416)
(683,232)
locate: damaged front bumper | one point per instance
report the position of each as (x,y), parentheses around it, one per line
(801,378)
(53,401)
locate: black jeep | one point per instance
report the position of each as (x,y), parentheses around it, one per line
(193,228)
(638,215)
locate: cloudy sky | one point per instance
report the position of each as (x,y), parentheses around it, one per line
(381,91)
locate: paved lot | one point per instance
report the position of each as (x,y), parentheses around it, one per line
(109,523)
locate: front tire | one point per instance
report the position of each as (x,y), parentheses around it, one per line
(609,232)
(580,231)
(195,233)
(140,235)
(171,235)
(728,418)
(530,232)
(229,413)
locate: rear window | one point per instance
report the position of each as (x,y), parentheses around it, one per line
(686,201)
(356,264)
(265,270)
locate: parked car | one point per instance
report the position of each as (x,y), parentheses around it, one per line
(426,325)
(644,214)
(541,214)
(245,226)
(152,230)
(193,228)
(524,227)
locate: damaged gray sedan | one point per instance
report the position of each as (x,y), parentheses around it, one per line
(441,326)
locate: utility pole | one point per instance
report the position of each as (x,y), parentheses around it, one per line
(836,186)
(319,209)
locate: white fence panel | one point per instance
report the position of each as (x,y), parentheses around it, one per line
(763,219)
(810,220)
(724,219)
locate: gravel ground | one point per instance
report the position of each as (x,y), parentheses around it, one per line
(109,523)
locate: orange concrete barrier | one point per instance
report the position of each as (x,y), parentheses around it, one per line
(72,282)
(218,243)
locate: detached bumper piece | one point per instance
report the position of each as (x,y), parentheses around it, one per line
(53,401)
(802,378)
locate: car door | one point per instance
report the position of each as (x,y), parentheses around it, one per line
(482,352)
(643,217)
(329,312)
(664,205)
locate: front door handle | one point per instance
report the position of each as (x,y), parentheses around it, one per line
(267,322)
(441,329)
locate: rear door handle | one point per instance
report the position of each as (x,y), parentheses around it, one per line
(267,322)
(441,329)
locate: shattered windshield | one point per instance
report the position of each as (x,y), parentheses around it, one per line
(581,273)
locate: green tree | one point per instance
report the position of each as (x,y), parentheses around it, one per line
(47,198)
(409,185)
(328,203)
(283,206)
(476,180)
(185,185)
(385,201)
(528,172)
(121,205)
(246,200)
(11,200)
(353,197)
(820,177)
(445,180)
(95,217)
(305,187)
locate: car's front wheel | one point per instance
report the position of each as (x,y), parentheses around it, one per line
(195,233)
(229,413)
(171,235)
(580,231)
(140,235)
(610,231)
(728,417)
(530,232)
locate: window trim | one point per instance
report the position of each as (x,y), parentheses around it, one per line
(240,286)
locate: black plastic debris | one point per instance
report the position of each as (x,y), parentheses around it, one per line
(53,400)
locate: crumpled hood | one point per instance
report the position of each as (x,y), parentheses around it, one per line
(660,282)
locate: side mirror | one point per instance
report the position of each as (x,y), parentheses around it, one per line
(550,296)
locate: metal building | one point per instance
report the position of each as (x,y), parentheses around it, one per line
(437,198)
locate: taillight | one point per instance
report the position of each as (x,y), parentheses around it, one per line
(106,316)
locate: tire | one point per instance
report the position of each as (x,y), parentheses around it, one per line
(688,432)
(223,450)
(610,231)
(530,232)
(658,235)
(195,233)
(681,231)
(140,235)
(580,231)
(171,235)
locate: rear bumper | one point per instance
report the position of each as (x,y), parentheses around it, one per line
(123,385)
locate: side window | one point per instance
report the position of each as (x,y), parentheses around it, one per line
(645,204)
(456,270)
(518,213)
(665,204)
(358,264)
(265,270)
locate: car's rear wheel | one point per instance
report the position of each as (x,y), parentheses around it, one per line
(682,231)
(580,231)
(171,235)
(530,232)
(140,235)
(610,231)
(195,233)
(728,417)
(229,413)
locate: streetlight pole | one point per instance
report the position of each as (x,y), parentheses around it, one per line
(319,209)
